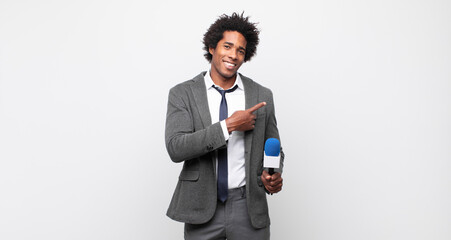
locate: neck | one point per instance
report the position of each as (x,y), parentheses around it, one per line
(224,83)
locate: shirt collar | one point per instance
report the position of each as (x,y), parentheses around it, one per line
(209,82)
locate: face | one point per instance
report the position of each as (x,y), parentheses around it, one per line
(228,55)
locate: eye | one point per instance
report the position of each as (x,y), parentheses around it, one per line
(242,52)
(226,46)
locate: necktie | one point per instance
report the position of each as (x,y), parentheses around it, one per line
(223,184)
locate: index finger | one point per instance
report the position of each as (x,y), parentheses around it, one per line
(257,106)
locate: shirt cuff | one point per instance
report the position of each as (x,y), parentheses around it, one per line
(224,130)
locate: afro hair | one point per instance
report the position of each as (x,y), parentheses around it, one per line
(235,22)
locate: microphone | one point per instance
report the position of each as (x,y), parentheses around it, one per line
(272,155)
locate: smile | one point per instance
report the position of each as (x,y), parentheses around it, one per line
(229,65)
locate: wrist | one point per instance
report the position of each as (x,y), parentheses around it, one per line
(230,129)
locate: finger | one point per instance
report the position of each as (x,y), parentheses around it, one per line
(257,106)
(277,190)
(276,182)
(278,186)
(265,177)
(276,176)
(275,185)
(268,177)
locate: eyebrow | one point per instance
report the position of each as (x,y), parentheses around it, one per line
(234,45)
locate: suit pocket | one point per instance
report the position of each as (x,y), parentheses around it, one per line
(189,176)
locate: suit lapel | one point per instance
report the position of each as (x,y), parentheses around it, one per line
(251,98)
(200,97)
(250,92)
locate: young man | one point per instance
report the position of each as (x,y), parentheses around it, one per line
(217,124)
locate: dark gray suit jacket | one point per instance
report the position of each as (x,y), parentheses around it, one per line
(192,138)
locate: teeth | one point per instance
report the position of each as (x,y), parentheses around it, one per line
(229,64)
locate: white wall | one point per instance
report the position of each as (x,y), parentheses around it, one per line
(363,100)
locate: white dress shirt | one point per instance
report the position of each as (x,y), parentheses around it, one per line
(235,141)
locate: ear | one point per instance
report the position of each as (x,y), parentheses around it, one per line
(211,50)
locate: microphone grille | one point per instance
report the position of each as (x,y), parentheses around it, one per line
(272,147)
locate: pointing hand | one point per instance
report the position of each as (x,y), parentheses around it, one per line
(243,120)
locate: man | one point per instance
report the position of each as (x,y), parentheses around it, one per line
(217,124)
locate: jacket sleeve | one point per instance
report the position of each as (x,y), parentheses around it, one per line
(184,138)
(271,127)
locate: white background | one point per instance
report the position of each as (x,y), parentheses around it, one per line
(363,101)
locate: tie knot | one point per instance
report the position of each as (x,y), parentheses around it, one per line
(223,92)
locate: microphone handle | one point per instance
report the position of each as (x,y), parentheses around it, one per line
(271,171)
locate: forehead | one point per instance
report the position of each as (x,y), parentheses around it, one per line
(234,37)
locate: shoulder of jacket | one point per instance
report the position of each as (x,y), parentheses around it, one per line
(255,84)
(186,84)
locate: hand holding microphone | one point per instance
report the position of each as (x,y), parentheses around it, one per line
(272,180)
(273,183)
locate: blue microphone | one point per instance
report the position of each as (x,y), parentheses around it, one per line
(272,155)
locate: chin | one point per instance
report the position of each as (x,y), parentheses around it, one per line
(229,75)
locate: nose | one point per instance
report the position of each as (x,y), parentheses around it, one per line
(232,54)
